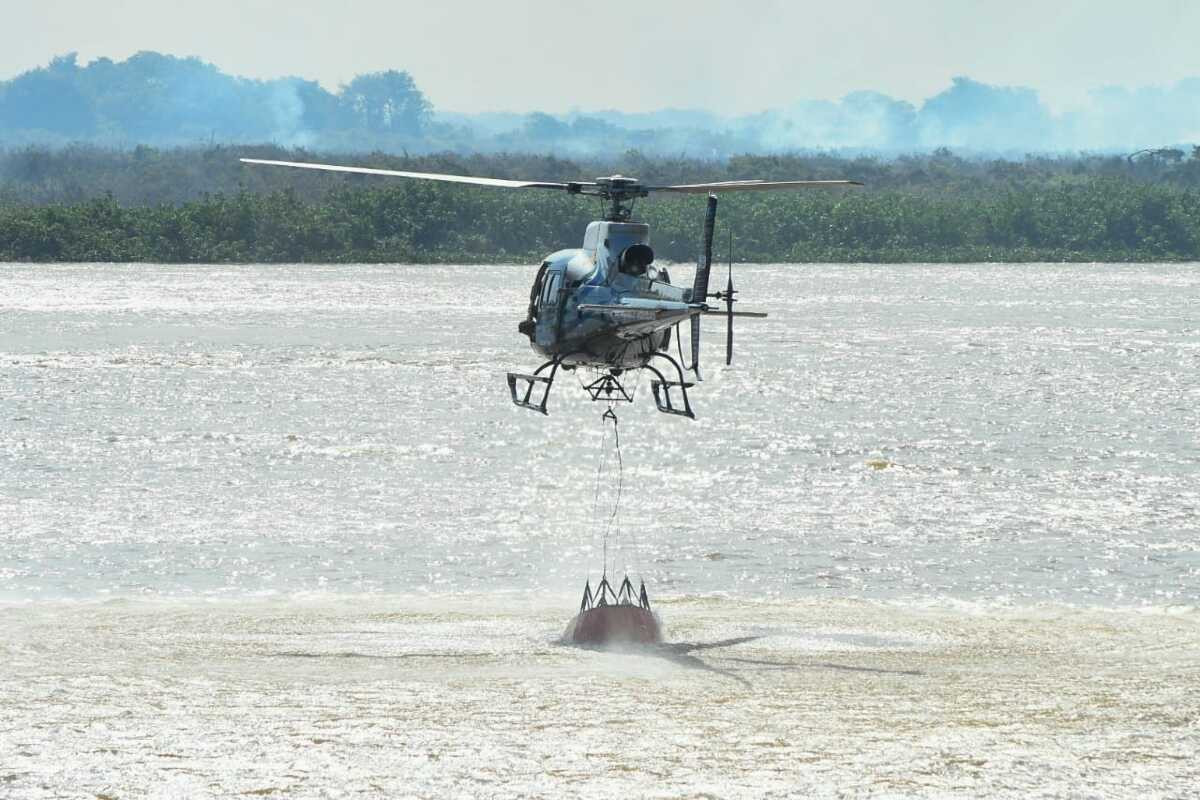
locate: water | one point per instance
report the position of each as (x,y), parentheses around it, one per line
(279,530)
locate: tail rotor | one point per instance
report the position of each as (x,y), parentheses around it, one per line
(700,292)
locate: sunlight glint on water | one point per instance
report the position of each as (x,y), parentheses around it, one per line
(280,528)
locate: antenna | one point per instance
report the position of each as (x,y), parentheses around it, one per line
(729,301)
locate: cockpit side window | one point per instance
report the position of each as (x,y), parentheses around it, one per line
(554,280)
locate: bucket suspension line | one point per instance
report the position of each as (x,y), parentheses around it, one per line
(612,523)
(605,592)
(614,519)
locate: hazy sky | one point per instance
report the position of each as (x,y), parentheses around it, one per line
(555,55)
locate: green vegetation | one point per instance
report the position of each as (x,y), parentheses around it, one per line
(198,206)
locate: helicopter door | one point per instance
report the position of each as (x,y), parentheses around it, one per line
(549,308)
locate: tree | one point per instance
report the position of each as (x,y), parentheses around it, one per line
(385,102)
(543,127)
(978,116)
(48,99)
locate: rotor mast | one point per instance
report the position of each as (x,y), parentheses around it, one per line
(620,192)
(617,191)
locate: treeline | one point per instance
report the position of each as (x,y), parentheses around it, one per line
(156,98)
(1087,219)
(162,100)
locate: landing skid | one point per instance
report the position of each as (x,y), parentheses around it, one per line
(662,389)
(532,391)
(523,397)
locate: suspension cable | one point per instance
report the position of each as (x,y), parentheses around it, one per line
(612,524)
(601,463)
(616,510)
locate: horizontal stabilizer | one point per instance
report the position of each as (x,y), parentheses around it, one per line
(754,314)
(639,313)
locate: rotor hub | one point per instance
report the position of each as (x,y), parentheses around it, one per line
(620,192)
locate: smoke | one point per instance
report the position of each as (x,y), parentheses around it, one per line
(286,110)
(1128,119)
(976,117)
(162,100)
(968,116)
(866,121)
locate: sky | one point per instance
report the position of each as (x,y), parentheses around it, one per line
(559,55)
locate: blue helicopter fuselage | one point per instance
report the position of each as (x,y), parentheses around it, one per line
(605,304)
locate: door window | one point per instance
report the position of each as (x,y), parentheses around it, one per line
(551,294)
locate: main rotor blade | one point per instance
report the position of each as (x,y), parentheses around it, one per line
(423,176)
(749,186)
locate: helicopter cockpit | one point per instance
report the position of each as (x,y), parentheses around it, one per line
(558,274)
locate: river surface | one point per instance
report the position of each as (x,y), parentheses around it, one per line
(278,530)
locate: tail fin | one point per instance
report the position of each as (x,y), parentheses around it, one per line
(700,285)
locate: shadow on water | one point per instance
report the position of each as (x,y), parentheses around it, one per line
(684,655)
(679,653)
(374,656)
(827,665)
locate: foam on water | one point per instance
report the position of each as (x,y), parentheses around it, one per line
(432,696)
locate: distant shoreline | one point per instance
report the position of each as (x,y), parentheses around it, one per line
(1098,222)
(203,206)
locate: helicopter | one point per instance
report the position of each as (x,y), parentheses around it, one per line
(606,306)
